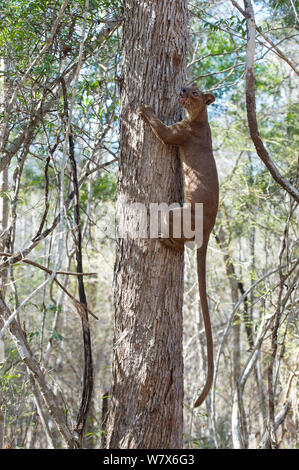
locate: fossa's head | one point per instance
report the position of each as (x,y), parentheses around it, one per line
(194,100)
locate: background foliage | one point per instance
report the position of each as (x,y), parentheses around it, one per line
(256,230)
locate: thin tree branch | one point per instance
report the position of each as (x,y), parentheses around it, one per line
(279,419)
(4,135)
(247,15)
(28,129)
(87,387)
(33,366)
(224,336)
(39,407)
(251,107)
(34,263)
(36,240)
(213,55)
(295,11)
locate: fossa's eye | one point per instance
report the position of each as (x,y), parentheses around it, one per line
(195,93)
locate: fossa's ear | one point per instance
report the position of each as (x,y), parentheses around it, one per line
(209,98)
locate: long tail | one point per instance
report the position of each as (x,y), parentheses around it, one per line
(201,272)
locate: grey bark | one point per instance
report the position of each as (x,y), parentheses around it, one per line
(146,409)
(279,419)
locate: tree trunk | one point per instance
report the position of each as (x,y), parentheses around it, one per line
(239,432)
(146,410)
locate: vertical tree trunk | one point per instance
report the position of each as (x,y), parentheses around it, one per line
(4,213)
(5,93)
(146,409)
(239,432)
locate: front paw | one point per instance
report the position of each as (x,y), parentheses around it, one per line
(145,111)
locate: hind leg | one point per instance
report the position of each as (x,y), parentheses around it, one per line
(173,228)
(174,244)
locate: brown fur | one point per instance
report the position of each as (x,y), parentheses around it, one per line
(193,137)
